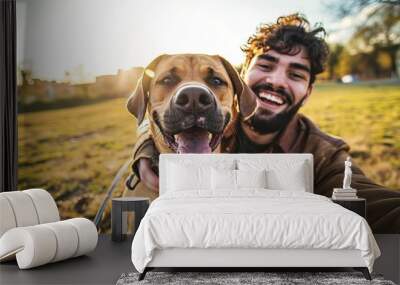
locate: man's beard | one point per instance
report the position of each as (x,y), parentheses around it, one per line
(265,121)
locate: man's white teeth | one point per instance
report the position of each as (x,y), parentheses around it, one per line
(272,98)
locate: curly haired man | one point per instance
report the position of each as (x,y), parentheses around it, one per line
(281,64)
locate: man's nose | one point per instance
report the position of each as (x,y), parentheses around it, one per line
(277,78)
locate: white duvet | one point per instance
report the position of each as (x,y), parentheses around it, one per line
(253,218)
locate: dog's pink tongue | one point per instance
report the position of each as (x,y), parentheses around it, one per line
(193,141)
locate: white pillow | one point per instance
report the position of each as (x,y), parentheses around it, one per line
(251,178)
(182,177)
(223,179)
(281,174)
(227,179)
(292,180)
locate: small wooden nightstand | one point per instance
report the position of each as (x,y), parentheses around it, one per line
(357,205)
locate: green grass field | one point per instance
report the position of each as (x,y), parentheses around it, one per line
(367,117)
(75,152)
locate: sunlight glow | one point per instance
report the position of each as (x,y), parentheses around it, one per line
(86,38)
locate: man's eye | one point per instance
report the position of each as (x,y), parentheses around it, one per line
(297,76)
(216,81)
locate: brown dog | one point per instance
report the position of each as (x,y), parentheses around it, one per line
(190,100)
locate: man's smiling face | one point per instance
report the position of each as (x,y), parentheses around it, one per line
(282,84)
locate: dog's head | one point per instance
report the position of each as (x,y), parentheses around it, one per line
(190,99)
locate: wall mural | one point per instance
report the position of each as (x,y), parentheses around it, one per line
(76,75)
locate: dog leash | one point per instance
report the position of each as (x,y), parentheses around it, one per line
(110,190)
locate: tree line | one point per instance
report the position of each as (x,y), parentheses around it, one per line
(373,49)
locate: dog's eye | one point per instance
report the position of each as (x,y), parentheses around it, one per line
(216,81)
(168,80)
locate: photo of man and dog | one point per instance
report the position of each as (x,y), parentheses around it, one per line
(295,91)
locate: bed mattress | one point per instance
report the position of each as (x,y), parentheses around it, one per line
(250,219)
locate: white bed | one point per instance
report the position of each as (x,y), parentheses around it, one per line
(202,220)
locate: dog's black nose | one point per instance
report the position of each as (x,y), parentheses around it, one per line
(194,99)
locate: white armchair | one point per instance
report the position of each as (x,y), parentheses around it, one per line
(31,230)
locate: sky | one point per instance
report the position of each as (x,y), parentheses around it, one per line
(88,38)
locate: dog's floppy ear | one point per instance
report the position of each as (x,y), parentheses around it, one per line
(246,97)
(137,102)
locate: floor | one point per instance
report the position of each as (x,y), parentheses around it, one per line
(111,259)
(102,266)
